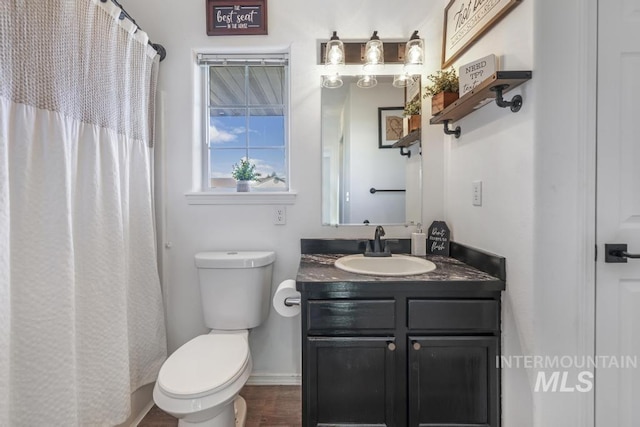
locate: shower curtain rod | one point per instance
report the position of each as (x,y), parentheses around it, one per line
(123,14)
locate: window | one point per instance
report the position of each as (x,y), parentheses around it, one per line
(245,117)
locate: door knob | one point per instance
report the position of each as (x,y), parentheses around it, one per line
(617,252)
(391,346)
(416,345)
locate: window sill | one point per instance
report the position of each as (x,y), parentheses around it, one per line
(210,198)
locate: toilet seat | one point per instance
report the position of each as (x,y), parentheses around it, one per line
(204,365)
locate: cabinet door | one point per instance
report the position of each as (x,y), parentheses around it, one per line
(349,380)
(453,381)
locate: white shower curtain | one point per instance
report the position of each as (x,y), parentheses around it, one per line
(81,317)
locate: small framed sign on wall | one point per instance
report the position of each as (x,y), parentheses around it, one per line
(236,17)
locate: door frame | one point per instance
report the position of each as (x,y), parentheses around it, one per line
(587,158)
(565,195)
(587,124)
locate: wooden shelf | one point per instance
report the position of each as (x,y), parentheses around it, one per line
(408,140)
(481,95)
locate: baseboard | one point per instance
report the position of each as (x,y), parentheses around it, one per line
(141,403)
(275,379)
(138,419)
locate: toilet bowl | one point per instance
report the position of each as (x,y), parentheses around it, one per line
(199,383)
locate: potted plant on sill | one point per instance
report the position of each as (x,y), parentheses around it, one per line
(412,110)
(244,173)
(443,89)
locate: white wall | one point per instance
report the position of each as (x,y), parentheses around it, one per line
(497,148)
(187,229)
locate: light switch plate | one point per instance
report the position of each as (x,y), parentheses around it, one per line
(477,193)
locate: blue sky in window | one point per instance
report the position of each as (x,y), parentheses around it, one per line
(228,143)
(227,131)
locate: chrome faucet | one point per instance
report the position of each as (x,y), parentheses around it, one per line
(380,248)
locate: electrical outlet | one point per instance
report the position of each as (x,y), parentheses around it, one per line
(279,215)
(476,197)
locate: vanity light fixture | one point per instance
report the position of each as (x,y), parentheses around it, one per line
(334,54)
(373,52)
(333,61)
(413,61)
(414,54)
(373,58)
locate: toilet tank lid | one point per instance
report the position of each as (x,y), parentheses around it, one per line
(234,259)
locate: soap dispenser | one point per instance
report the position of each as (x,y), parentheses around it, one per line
(418,242)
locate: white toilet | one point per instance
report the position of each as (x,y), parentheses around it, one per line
(199,383)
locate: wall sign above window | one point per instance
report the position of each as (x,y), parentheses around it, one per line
(236,17)
(465,21)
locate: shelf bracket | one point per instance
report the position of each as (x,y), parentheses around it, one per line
(457,131)
(515,104)
(405,153)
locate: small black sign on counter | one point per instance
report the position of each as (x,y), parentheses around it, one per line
(236,17)
(438,238)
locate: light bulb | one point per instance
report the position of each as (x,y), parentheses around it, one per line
(402,80)
(414,55)
(335,56)
(332,81)
(367,81)
(373,55)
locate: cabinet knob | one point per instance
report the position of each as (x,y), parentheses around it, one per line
(391,346)
(416,346)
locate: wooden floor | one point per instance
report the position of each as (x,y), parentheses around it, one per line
(267,406)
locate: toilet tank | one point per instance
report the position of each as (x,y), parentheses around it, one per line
(235,287)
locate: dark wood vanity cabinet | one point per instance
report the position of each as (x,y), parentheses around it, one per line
(350,362)
(453,381)
(394,356)
(353,381)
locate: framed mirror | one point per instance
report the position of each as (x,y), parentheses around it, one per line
(364,179)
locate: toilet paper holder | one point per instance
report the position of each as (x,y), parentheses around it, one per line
(291,301)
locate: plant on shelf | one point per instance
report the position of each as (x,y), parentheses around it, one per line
(442,81)
(412,111)
(244,173)
(412,108)
(443,89)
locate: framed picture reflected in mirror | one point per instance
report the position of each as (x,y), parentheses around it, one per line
(390,126)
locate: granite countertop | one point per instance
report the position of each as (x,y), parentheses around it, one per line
(466,270)
(319,268)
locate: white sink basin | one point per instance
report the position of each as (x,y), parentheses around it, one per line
(395,265)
